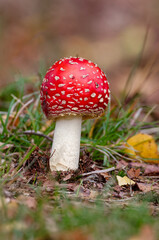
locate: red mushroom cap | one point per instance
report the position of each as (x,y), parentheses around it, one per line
(74,86)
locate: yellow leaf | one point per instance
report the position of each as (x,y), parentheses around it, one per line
(124,181)
(143,146)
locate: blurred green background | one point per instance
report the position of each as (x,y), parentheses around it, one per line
(34,34)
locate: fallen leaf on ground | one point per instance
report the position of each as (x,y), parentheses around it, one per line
(125,181)
(147,187)
(105,175)
(143,146)
(144,187)
(152,169)
(149,169)
(133,173)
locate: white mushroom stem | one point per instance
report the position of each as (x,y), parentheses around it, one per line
(66,144)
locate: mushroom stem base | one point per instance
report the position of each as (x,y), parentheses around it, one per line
(66,144)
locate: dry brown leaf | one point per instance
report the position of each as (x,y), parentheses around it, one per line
(152,169)
(149,169)
(145,187)
(143,146)
(105,175)
(124,181)
(133,173)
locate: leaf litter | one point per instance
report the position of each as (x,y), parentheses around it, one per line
(89,181)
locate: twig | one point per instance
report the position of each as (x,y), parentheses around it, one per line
(30,132)
(99,171)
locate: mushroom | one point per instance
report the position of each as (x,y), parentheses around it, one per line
(73,88)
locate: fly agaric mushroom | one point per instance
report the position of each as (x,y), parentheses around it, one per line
(73,88)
